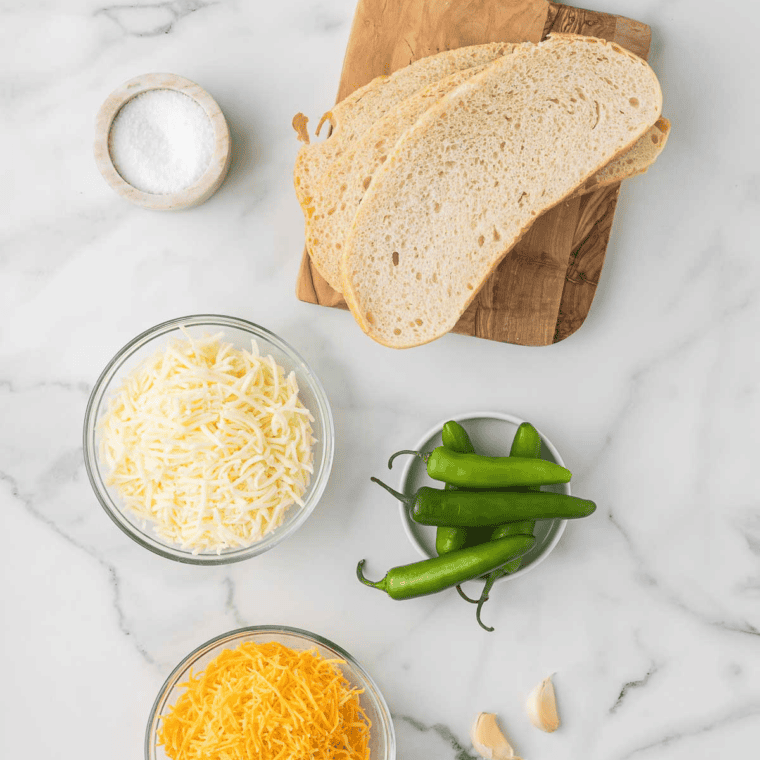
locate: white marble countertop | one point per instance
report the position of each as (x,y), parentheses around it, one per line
(648,612)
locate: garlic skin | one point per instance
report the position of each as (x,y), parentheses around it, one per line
(488,740)
(542,706)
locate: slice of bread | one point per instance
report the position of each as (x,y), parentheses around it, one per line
(634,161)
(332,208)
(462,186)
(331,211)
(351,117)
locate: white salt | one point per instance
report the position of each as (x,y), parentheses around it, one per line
(161,141)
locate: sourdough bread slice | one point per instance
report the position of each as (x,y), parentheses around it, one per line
(462,186)
(332,208)
(331,211)
(634,161)
(351,117)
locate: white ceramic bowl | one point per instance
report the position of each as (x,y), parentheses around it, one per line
(239,333)
(491,433)
(382,736)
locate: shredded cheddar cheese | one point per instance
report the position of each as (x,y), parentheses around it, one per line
(209,443)
(267,702)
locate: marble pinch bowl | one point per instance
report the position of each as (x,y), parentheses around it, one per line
(239,333)
(193,195)
(491,433)
(382,735)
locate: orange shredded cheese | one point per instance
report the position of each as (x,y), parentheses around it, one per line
(270,702)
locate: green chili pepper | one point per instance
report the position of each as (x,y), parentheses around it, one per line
(455,438)
(438,573)
(526,443)
(524,528)
(476,471)
(448,539)
(473,509)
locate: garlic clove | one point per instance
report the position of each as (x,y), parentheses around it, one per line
(542,706)
(489,741)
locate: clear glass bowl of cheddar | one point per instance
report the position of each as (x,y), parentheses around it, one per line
(269,691)
(208,439)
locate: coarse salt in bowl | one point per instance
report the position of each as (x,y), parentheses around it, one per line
(162,142)
(382,740)
(160,535)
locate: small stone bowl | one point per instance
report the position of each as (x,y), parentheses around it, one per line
(205,186)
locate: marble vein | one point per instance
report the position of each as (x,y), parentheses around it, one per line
(152,19)
(78,387)
(65,467)
(652,581)
(637,684)
(231,605)
(110,570)
(725,721)
(443,732)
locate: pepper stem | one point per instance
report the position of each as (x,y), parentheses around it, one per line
(493,575)
(423,457)
(374,584)
(408,500)
(465,597)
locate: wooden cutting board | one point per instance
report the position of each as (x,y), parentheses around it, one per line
(543,289)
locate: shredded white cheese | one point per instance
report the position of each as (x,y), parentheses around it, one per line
(209,443)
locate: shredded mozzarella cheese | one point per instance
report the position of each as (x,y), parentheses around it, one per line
(209,443)
(267,701)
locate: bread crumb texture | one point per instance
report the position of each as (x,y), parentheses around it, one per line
(350,118)
(344,183)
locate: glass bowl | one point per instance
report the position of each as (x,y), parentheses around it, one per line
(382,735)
(238,332)
(491,434)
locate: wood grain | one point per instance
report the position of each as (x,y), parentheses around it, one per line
(387,36)
(542,290)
